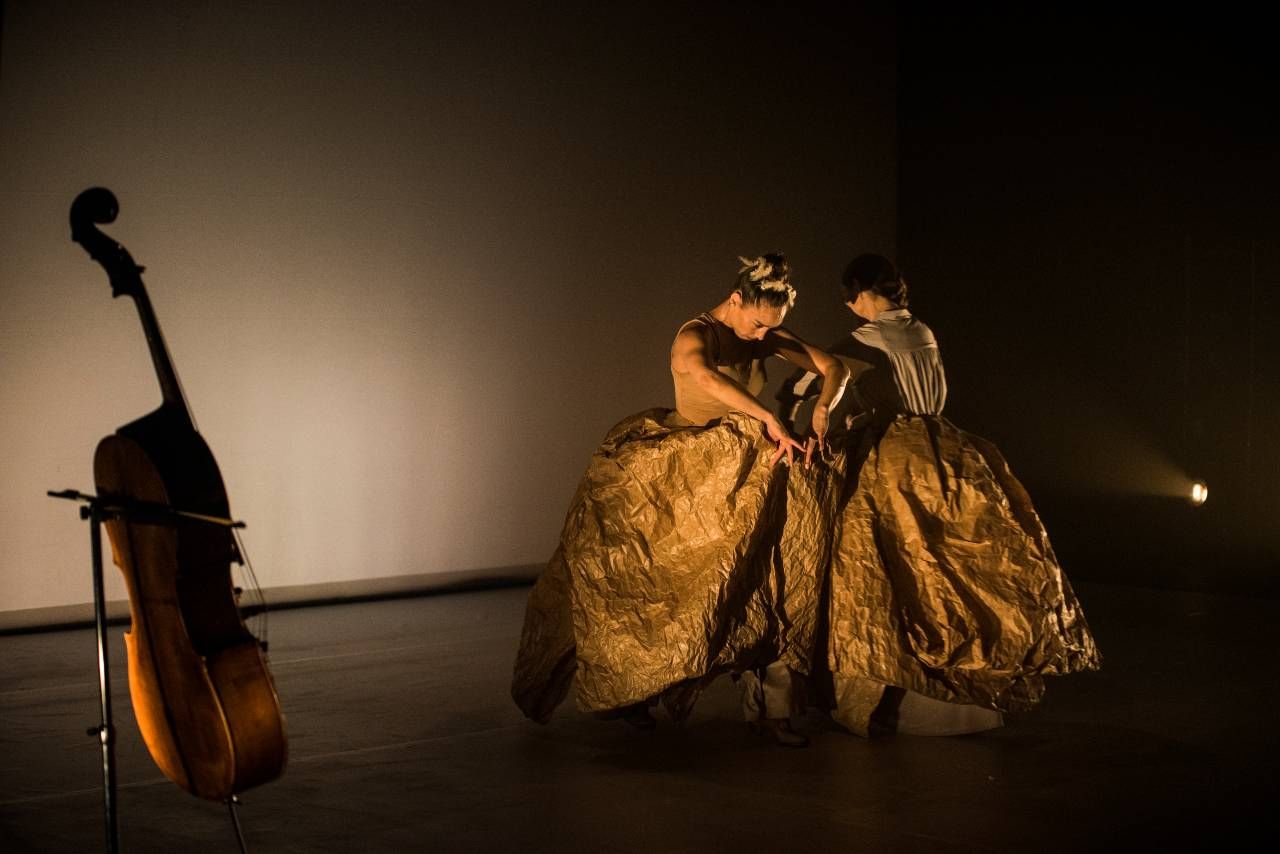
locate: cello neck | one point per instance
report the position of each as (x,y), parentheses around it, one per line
(170,387)
(98,205)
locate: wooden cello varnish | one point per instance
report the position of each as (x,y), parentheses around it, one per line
(202,693)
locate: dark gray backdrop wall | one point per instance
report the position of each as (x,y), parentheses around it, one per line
(1088,213)
(412,259)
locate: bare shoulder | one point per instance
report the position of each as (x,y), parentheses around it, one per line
(692,332)
(690,345)
(697,325)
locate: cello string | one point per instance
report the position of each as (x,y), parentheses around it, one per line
(251,577)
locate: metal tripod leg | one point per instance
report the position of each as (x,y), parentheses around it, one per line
(232,803)
(105,731)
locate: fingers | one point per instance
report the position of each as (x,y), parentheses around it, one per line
(808,452)
(787,447)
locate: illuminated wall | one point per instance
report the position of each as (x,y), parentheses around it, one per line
(412,259)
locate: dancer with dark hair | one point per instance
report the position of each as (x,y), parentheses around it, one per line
(947,605)
(687,551)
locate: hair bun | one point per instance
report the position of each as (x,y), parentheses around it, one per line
(877,274)
(766,278)
(897,291)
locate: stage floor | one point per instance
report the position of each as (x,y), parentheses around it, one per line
(403,738)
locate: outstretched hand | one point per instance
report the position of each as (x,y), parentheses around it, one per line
(819,422)
(787,445)
(809,445)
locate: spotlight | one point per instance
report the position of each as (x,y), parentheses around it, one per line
(1199,493)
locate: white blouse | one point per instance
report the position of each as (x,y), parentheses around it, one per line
(913,353)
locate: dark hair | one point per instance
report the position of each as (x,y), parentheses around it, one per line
(877,274)
(766,280)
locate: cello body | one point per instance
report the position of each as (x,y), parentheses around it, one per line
(201,690)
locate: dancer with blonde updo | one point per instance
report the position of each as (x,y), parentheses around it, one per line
(688,552)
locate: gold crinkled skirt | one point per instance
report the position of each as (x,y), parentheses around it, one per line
(943,581)
(685,555)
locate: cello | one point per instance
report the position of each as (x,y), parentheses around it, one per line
(201,690)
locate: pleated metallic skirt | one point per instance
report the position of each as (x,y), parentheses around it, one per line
(943,580)
(685,555)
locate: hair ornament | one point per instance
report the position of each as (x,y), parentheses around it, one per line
(766,274)
(757,269)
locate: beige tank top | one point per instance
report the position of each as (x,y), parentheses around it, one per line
(741,360)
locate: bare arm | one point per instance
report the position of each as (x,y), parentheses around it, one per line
(834,374)
(690,359)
